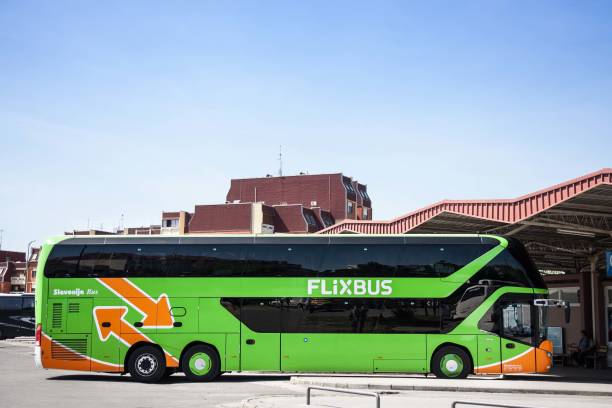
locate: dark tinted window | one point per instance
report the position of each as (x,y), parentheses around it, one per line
(261,315)
(10,303)
(143,260)
(437,260)
(28,303)
(124,260)
(361,260)
(207,260)
(364,316)
(504,269)
(94,261)
(522,257)
(317,315)
(284,260)
(490,320)
(346,260)
(406,316)
(63,261)
(337,315)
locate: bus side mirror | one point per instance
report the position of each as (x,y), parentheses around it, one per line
(568,312)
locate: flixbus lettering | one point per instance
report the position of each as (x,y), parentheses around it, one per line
(348,287)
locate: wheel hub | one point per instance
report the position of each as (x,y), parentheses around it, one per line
(146,364)
(200,364)
(451,365)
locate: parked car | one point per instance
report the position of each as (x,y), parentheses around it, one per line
(16,315)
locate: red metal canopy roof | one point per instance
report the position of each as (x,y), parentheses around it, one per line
(500,212)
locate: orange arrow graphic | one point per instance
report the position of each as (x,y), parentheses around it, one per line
(113,317)
(156,313)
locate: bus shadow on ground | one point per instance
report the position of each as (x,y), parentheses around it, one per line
(175,379)
(591,378)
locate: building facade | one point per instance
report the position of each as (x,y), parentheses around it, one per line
(18,275)
(289,204)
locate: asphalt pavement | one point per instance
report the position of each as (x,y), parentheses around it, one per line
(23,385)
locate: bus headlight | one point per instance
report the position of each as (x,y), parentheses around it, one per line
(549,354)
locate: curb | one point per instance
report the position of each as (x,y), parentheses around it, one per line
(389,387)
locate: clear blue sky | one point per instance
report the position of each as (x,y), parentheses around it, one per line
(110,108)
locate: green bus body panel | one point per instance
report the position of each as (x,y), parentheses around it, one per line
(329,352)
(489,350)
(199,316)
(232,352)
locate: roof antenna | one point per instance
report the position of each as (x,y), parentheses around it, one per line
(280,161)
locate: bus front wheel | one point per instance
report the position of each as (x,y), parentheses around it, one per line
(147,364)
(201,363)
(451,362)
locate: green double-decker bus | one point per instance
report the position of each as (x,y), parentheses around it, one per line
(151,306)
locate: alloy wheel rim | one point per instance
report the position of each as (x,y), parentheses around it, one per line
(200,364)
(451,365)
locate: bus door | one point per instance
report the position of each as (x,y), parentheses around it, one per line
(489,343)
(260,334)
(518,327)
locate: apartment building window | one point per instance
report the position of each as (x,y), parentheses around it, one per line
(350,207)
(173,223)
(365,213)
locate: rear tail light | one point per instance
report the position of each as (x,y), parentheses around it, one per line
(38,334)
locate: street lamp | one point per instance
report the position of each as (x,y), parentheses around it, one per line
(27,264)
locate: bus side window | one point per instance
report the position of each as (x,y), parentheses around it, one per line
(504,268)
(360,260)
(148,260)
(490,320)
(261,314)
(207,261)
(427,260)
(283,260)
(63,261)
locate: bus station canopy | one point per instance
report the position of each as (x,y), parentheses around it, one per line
(565,227)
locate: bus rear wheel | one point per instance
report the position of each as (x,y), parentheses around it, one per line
(451,362)
(147,364)
(201,363)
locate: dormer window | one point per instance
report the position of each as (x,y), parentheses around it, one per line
(348,186)
(310,219)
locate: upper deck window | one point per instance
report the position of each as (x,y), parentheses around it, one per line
(262,260)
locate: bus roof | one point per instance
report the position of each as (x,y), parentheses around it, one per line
(278,238)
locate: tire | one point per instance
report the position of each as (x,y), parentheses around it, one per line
(451,362)
(201,363)
(147,364)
